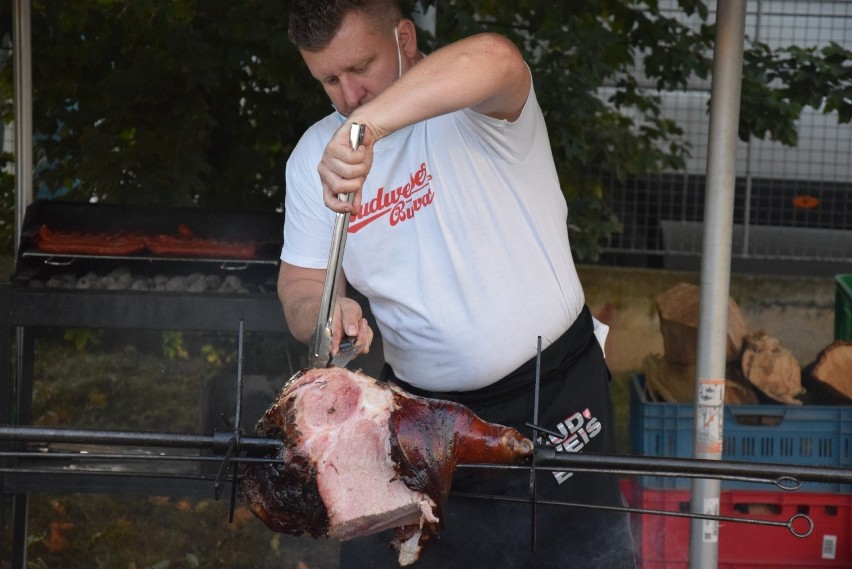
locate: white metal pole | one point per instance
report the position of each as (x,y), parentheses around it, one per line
(23,100)
(22,48)
(716,273)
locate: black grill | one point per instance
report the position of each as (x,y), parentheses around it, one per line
(72,290)
(34,299)
(38,268)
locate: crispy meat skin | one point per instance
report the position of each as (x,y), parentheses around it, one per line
(294,484)
(362,456)
(429,437)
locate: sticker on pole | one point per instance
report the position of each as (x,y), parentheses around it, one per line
(709,418)
(710,528)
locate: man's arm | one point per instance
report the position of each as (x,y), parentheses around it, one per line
(300,292)
(485,73)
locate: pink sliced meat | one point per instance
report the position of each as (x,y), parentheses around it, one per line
(362,456)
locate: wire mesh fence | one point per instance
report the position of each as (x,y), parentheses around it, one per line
(791,203)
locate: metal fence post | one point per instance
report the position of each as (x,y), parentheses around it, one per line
(716,273)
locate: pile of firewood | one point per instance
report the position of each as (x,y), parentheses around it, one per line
(759,369)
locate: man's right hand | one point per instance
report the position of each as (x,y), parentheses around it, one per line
(343,170)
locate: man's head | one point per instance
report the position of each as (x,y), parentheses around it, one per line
(354,48)
(313,23)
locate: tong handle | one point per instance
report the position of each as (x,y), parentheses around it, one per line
(356,136)
(320,349)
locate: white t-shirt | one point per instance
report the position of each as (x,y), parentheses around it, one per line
(461,244)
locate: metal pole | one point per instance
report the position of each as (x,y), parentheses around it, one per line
(22,49)
(716,273)
(746,245)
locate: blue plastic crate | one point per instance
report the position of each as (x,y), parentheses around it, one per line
(806,435)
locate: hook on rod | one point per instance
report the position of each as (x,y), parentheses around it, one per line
(809,525)
(789,483)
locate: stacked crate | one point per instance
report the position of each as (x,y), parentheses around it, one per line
(780,434)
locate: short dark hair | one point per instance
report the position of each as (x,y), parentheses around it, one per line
(313,23)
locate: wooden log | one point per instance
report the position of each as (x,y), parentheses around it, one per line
(738,391)
(678,309)
(675,383)
(668,382)
(831,373)
(772,369)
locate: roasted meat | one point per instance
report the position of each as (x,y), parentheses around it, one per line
(360,456)
(184,242)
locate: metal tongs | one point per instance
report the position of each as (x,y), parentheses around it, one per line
(320,346)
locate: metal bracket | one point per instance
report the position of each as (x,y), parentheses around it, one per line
(233,448)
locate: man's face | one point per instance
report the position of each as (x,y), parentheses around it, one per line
(359,63)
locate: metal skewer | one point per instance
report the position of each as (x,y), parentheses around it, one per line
(784,476)
(533,488)
(790,524)
(320,343)
(546,458)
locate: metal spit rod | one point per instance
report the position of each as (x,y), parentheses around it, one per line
(785,476)
(233,444)
(217,441)
(792,524)
(548,460)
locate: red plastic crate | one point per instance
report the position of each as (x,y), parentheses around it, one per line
(662,542)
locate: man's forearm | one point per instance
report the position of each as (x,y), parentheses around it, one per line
(301,319)
(483,72)
(300,310)
(300,293)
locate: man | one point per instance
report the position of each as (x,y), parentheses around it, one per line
(458,239)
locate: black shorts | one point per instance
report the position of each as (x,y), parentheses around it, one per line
(575,400)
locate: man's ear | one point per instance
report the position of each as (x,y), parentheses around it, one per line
(407,38)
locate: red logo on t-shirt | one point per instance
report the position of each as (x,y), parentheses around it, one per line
(399,204)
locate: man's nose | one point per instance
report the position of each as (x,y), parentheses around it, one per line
(352,91)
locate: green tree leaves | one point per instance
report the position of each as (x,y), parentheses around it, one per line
(199,103)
